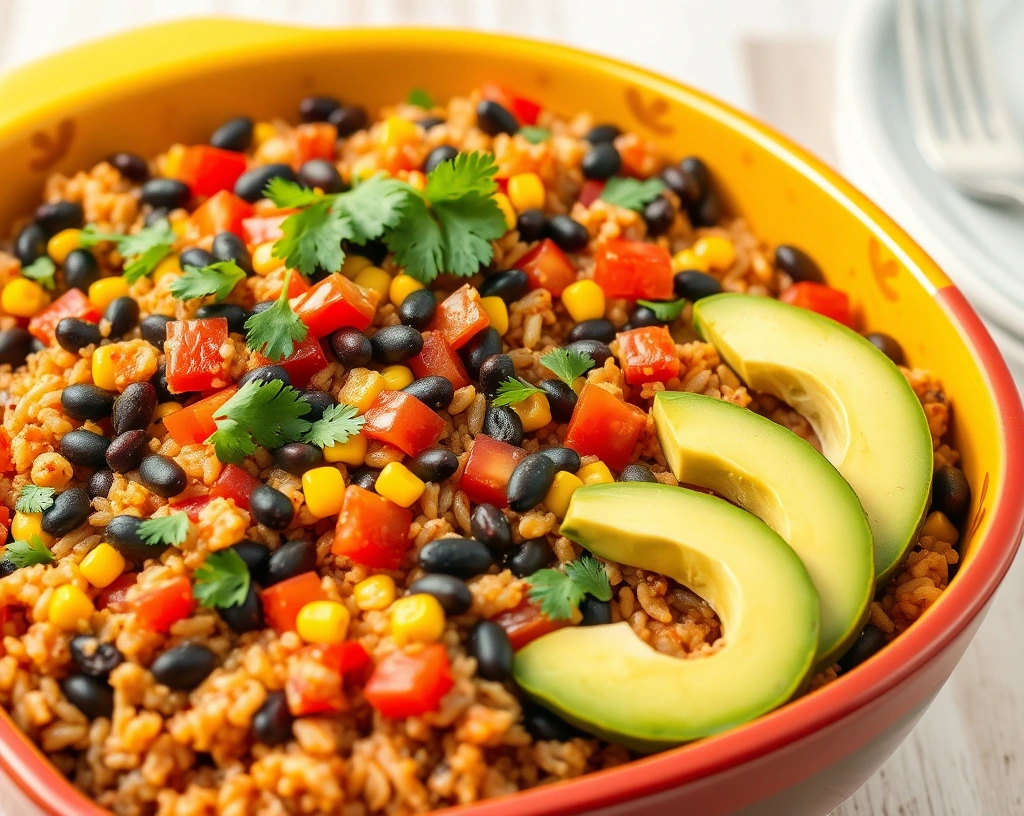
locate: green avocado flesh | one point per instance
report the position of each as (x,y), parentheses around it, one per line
(607,681)
(780,478)
(870,422)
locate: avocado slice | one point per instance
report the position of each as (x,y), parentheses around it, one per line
(607,681)
(771,472)
(870,422)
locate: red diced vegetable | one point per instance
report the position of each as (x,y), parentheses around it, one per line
(371,530)
(282,601)
(5,521)
(406,685)
(260,229)
(6,463)
(208,170)
(73,303)
(401,420)
(195,354)
(488,469)
(157,609)
(306,359)
(314,140)
(193,424)
(591,191)
(115,595)
(821,299)
(191,507)
(317,675)
(633,269)
(439,358)
(460,316)
(274,280)
(604,426)
(222,212)
(648,353)
(525,622)
(547,267)
(524,109)
(234,483)
(335,303)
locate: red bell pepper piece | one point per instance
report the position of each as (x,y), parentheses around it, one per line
(306,359)
(525,110)
(591,191)
(821,299)
(604,426)
(73,303)
(648,353)
(633,269)
(547,267)
(115,595)
(335,303)
(317,674)
(439,358)
(260,229)
(460,316)
(222,212)
(314,140)
(195,356)
(488,469)
(234,483)
(274,280)
(5,521)
(406,685)
(193,424)
(525,622)
(208,170)
(191,507)
(282,601)
(401,420)
(157,609)
(371,530)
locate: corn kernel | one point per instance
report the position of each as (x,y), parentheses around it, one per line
(497,313)
(323,622)
(526,191)
(24,298)
(534,412)
(401,287)
(937,525)
(70,608)
(26,525)
(507,210)
(179,226)
(102,565)
(397,131)
(417,619)
(171,265)
(361,388)
(63,244)
(324,489)
(106,290)
(375,592)
(263,260)
(352,452)
(165,409)
(104,370)
(717,251)
(397,483)
(353,265)
(172,160)
(560,492)
(584,300)
(263,132)
(375,278)
(397,377)
(595,473)
(687,260)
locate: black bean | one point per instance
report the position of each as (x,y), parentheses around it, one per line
(530,225)
(266,373)
(163,389)
(433,391)
(272,724)
(352,348)
(365,477)
(601,161)
(480,348)
(184,667)
(123,535)
(123,316)
(133,409)
(596,351)
(256,557)
(271,507)
(433,464)
(396,344)
(417,310)
(154,329)
(15,345)
(889,346)
(127,451)
(130,165)
(87,448)
(602,134)
(428,122)
(317,108)
(489,644)
(60,215)
(73,334)
(162,475)
(491,528)
(451,592)
(462,557)
(530,482)
(194,256)
(684,184)
(526,558)
(348,119)
(7,567)
(86,401)
(709,212)
(597,329)
(658,216)
(503,424)
(564,458)
(642,316)
(797,264)
(81,270)
(229,247)
(561,399)
(93,657)
(93,696)
(69,511)
(569,235)
(298,457)
(100,483)
(636,473)
(290,559)
(595,612)
(439,155)
(153,217)
(542,724)
(235,134)
(318,402)
(30,245)
(694,285)
(165,193)
(493,119)
(509,285)
(869,641)
(252,183)
(494,371)
(374,251)
(261,307)
(323,174)
(247,616)
(951,493)
(232,312)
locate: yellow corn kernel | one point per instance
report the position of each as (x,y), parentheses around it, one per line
(507,210)
(584,300)
(102,565)
(26,525)
(595,473)
(106,290)
(361,388)
(417,619)
(104,370)
(526,191)
(717,251)
(937,525)
(24,298)
(353,265)
(263,132)
(322,622)
(534,411)
(178,226)
(352,452)
(497,313)
(172,160)
(401,287)
(561,490)
(165,409)
(687,260)
(397,377)
(263,260)
(375,592)
(70,608)
(62,244)
(397,131)
(397,483)
(324,489)
(170,265)
(418,180)
(375,278)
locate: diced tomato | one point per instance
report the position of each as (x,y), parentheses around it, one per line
(335,303)
(274,280)
(73,303)
(314,140)
(6,463)
(306,359)
(282,601)
(488,469)
(115,595)
(525,622)
(648,353)
(460,316)
(401,420)
(547,267)
(317,674)
(260,229)
(164,605)
(439,358)
(525,110)
(5,521)
(191,506)
(591,191)
(195,356)
(821,299)
(634,154)
(604,426)
(234,483)
(633,269)
(208,170)
(371,530)
(222,212)
(406,685)
(193,424)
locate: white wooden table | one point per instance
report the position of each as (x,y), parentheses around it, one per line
(772,57)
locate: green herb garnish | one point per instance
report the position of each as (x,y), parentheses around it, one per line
(222,581)
(630,193)
(420,98)
(33,499)
(534,134)
(567,364)
(259,413)
(169,530)
(339,423)
(560,593)
(27,553)
(514,390)
(216,279)
(274,332)
(41,270)
(145,248)
(667,310)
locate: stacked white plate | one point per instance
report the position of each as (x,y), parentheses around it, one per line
(980,247)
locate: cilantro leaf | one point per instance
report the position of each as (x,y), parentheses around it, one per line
(159,234)
(312,237)
(222,581)
(467,175)
(534,134)
(667,310)
(259,413)
(567,364)
(288,194)
(420,98)
(275,331)
(589,575)
(338,424)
(418,243)
(514,390)
(33,499)
(145,248)
(144,264)
(560,593)
(27,553)
(169,530)
(216,279)
(373,206)
(42,270)
(469,226)
(630,193)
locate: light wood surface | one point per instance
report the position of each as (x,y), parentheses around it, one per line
(772,57)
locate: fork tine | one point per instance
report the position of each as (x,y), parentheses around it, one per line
(924,113)
(939,69)
(998,116)
(960,64)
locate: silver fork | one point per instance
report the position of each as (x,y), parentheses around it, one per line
(961,122)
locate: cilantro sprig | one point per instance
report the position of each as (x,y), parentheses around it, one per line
(142,250)
(631,193)
(560,593)
(28,553)
(216,279)
(514,390)
(275,331)
(259,413)
(420,98)
(339,423)
(33,499)
(41,270)
(567,364)
(222,581)
(667,310)
(534,134)
(169,530)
